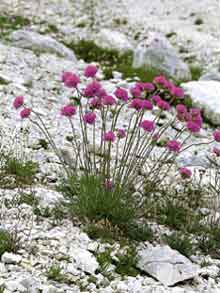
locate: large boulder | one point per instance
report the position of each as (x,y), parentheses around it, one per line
(35,41)
(157,52)
(107,38)
(166,265)
(206,95)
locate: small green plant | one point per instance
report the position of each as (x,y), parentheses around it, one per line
(2,289)
(9,23)
(180,242)
(196,71)
(209,240)
(55,273)
(127,263)
(7,242)
(105,260)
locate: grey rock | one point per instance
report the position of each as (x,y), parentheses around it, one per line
(35,41)
(211,76)
(11,258)
(84,260)
(205,94)
(166,265)
(157,52)
(107,38)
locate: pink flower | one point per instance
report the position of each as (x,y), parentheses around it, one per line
(185,172)
(90,71)
(163,105)
(25,113)
(193,126)
(96,103)
(147,125)
(174,146)
(156,99)
(121,133)
(216,151)
(177,92)
(108,184)
(136,91)
(181,109)
(70,80)
(147,105)
(92,89)
(136,104)
(160,79)
(109,100)
(89,117)
(109,136)
(216,135)
(121,94)
(18,102)
(101,93)
(148,86)
(68,110)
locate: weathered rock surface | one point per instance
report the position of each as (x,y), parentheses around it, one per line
(166,265)
(206,95)
(35,41)
(157,52)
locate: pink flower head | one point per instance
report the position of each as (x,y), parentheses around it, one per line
(121,133)
(156,99)
(195,112)
(163,105)
(193,126)
(121,94)
(25,113)
(70,79)
(68,110)
(147,105)
(109,136)
(216,151)
(160,79)
(177,92)
(92,89)
(174,146)
(136,104)
(216,135)
(90,71)
(147,125)
(108,184)
(181,109)
(89,117)
(148,86)
(136,92)
(185,172)
(18,102)
(101,93)
(96,103)
(109,100)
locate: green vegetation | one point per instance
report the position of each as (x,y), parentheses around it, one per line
(10,23)
(8,243)
(55,273)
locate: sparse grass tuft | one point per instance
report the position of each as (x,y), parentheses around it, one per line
(10,23)
(8,243)
(127,263)
(55,273)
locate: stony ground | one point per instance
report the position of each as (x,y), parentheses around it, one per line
(194,30)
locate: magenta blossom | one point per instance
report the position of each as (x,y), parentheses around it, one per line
(216,135)
(68,110)
(109,136)
(70,80)
(161,80)
(90,71)
(92,89)
(147,105)
(216,151)
(156,99)
(174,146)
(121,133)
(89,117)
(181,109)
(136,104)
(96,103)
(177,92)
(185,172)
(163,105)
(18,102)
(108,184)
(25,113)
(147,125)
(136,92)
(148,86)
(109,100)
(121,94)
(193,126)
(101,93)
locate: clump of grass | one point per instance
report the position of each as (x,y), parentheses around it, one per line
(127,263)
(8,242)
(55,273)
(10,23)
(209,240)
(180,242)
(196,71)
(111,60)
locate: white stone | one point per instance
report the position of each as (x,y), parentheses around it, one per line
(84,260)
(157,52)
(206,95)
(166,265)
(35,41)
(11,258)
(107,38)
